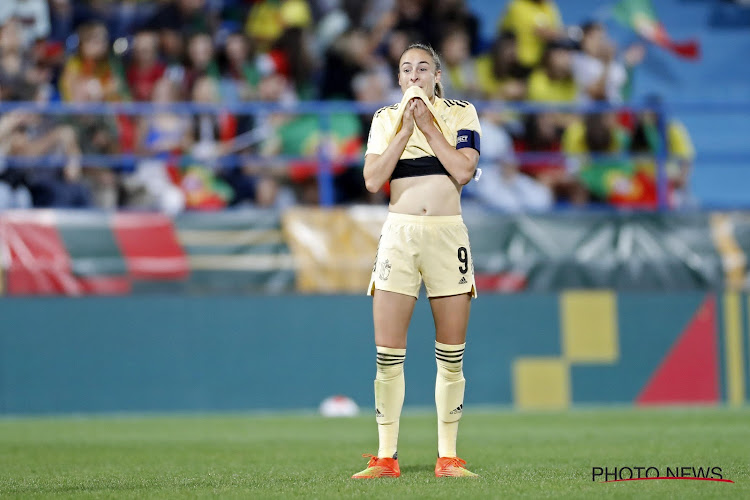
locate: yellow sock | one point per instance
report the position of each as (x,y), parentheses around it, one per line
(389,398)
(449,395)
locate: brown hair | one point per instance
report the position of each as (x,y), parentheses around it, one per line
(435,59)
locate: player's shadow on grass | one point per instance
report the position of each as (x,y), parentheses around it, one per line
(418,468)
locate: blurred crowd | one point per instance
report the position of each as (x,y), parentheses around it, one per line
(286,51)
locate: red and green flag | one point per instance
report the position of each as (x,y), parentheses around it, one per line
(640,16)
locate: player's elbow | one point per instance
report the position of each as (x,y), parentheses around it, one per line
(465,176)
(373,185)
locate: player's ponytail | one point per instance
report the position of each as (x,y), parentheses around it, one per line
(439,89)
(435,59)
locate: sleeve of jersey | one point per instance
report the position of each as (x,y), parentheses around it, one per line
(376,141)
(469,132)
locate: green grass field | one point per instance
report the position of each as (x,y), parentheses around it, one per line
(519,455)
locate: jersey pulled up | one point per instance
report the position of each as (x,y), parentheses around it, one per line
(418,159)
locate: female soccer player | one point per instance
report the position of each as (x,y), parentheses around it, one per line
(428,147)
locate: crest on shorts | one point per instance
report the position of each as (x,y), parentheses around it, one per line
(385,270)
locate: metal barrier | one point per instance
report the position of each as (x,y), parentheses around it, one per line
(325,109)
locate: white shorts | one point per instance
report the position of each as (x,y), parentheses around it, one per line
(432,248)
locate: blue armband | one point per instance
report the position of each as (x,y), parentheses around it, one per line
(467,139)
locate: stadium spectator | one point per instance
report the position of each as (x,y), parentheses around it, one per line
(293,57)
(212,134)
(55,179)
(416,19)
(540,157)
(145,68)
(15,61)
(535,24)
(239,69)
(120,18)
(97,134)
(348,56)
(184,18)
(33,18)
(599,75)
(594,133)
(175,22)
(500,75)
(125,17)
(200,61)
(92,61)
(553,80)
(594,145)
(164,136)
(14,192)
(64,16)
(459,77)
(268,19)
(501,185)
(452,15)
(644,145)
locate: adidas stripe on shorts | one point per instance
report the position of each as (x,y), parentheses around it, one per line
(414,248)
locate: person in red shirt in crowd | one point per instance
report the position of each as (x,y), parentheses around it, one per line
(145,68)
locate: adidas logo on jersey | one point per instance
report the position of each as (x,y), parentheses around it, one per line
(460,409)
(462,281)
(378,414)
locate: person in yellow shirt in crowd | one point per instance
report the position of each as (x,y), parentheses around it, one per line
(500,75)
(596,133)
(268,19)
(535,23)
(92,65)
(553,80)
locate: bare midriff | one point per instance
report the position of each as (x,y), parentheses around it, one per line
(426,195)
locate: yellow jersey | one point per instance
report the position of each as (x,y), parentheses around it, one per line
(542,88)
(459,116)
(522,17)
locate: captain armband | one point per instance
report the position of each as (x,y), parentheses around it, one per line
(467,139)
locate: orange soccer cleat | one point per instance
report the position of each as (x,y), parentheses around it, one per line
(379,467)
(452,467)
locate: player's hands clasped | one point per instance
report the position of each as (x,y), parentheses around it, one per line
(416,113)
(422,115)
(407,120)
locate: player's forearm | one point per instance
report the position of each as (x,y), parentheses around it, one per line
(379,168)
(458,165)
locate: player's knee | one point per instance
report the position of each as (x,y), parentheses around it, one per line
(390,363)
(449,358)
(450,383)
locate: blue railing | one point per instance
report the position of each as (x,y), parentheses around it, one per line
(325,109)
